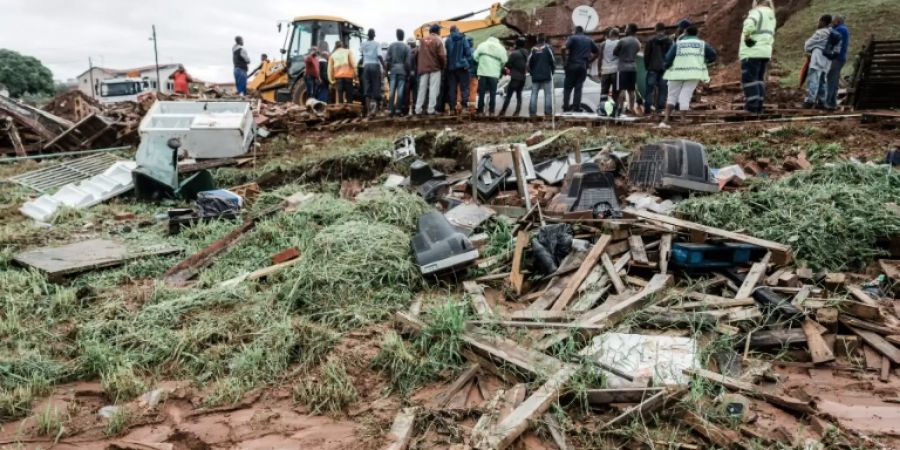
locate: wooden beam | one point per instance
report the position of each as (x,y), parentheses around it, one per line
(665,252)
(575,281)
(462,380)
(885,374)
(402,429)
(638,253)
(516,279)
(613,274)
(556,431)
(625,395)
(774,338)
(757,271)
(261,273)
(649,405)
(706,301)
(784,401)
(479,303)
(781,253)
(513,425)
(879,343)
(819,350)
(868,326)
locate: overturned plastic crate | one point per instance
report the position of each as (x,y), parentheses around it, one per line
(677,165)
(206,129)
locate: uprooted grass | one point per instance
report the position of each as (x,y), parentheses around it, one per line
(431,352)
(115,326)
(330,391)
(831,216)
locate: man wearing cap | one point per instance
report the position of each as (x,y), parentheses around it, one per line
(757,41)
(432,59)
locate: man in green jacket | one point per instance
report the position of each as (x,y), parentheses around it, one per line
(491,57)
(757,40)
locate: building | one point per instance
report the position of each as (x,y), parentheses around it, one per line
(89,80)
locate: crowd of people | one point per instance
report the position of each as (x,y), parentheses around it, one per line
(444,75)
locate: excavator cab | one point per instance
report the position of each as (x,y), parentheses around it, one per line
(282,81)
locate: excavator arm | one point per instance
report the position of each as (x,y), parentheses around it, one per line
(464,25)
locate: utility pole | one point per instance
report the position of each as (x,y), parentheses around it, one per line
(156,58)
(91,74)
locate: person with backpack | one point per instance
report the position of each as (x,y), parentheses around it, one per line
(655,59)
(821,48)
(517,64)
(541,67)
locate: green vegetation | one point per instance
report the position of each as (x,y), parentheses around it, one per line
(118,422)
(50,422)
(864,18)
(22,74)
(832,216)
(331,391)
(432,351)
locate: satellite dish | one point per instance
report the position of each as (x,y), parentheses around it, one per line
(586,17)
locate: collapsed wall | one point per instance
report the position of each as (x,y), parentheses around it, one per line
(722,19)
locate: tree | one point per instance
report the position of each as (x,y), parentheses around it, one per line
(23,74)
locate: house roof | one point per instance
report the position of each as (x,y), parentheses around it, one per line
(125,71)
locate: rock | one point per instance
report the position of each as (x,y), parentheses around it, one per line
(536,138)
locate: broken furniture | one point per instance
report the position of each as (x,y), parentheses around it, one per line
(206,129)
(112,182)
(157,177)
(58,262)
(439,247)
(677,166)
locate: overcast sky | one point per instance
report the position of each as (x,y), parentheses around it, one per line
(198,33)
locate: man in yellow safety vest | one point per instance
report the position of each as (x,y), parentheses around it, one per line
(757,40)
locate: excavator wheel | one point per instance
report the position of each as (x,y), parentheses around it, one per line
(298,93)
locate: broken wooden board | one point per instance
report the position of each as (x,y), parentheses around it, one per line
(776,338)
(707,301)
(819,350)
(719,436)
(575,281)
(782,400)
(647,406)
(479,303)
(638,253)
(516,279)
(868,326)
(463,379)
(513,425)
(402,429)
(879,343)
(613,274)
(665,252)
(781,253)
(62,261)
(623,395)
(757,271)
(179,274)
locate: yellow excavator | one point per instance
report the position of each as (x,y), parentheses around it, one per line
(282,81)
(464,25)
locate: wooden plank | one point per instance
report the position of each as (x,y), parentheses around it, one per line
(495,346)
(757,271)
(777,338)
(784,401)
(541,316)
(665,252)
(513,425)
(625,395)
(261,273)
(613,274)
(479,303)
(861,295)
(781,253)
(861,310)
(744,315)
(556,431)
(575,281)
(516,279)
(879,343)
(885,374)
(868,326)
(647,406)
(638,253)
(402,429)
(819,350)
(706,301)
(61,261)
(462,380)
(720,437)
